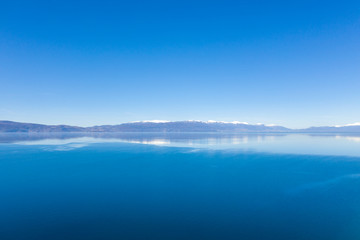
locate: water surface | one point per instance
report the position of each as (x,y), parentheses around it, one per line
(179,186)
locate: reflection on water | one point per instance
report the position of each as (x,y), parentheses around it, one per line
(350,138)
(323,144)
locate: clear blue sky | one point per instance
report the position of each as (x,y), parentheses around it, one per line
(292,63)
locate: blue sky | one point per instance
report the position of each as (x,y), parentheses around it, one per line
(292,63)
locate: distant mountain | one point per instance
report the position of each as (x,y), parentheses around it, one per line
(178,126)
(186,126)
(8,126)
(339,129)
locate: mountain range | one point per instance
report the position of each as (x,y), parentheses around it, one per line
(176,126)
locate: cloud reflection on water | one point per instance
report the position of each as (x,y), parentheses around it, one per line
(323,144)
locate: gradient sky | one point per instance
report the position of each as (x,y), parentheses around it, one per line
(292,63)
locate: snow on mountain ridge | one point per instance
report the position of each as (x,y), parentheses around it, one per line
(349,125)
(200,121)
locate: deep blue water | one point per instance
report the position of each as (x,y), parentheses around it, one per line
(85,189)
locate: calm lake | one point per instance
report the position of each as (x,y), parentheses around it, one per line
(179,186)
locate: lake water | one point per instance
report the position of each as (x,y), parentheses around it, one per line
(179,186)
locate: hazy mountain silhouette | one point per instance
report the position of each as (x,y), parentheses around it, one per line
(177,126)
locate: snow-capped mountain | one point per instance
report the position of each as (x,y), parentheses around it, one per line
(175,126)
